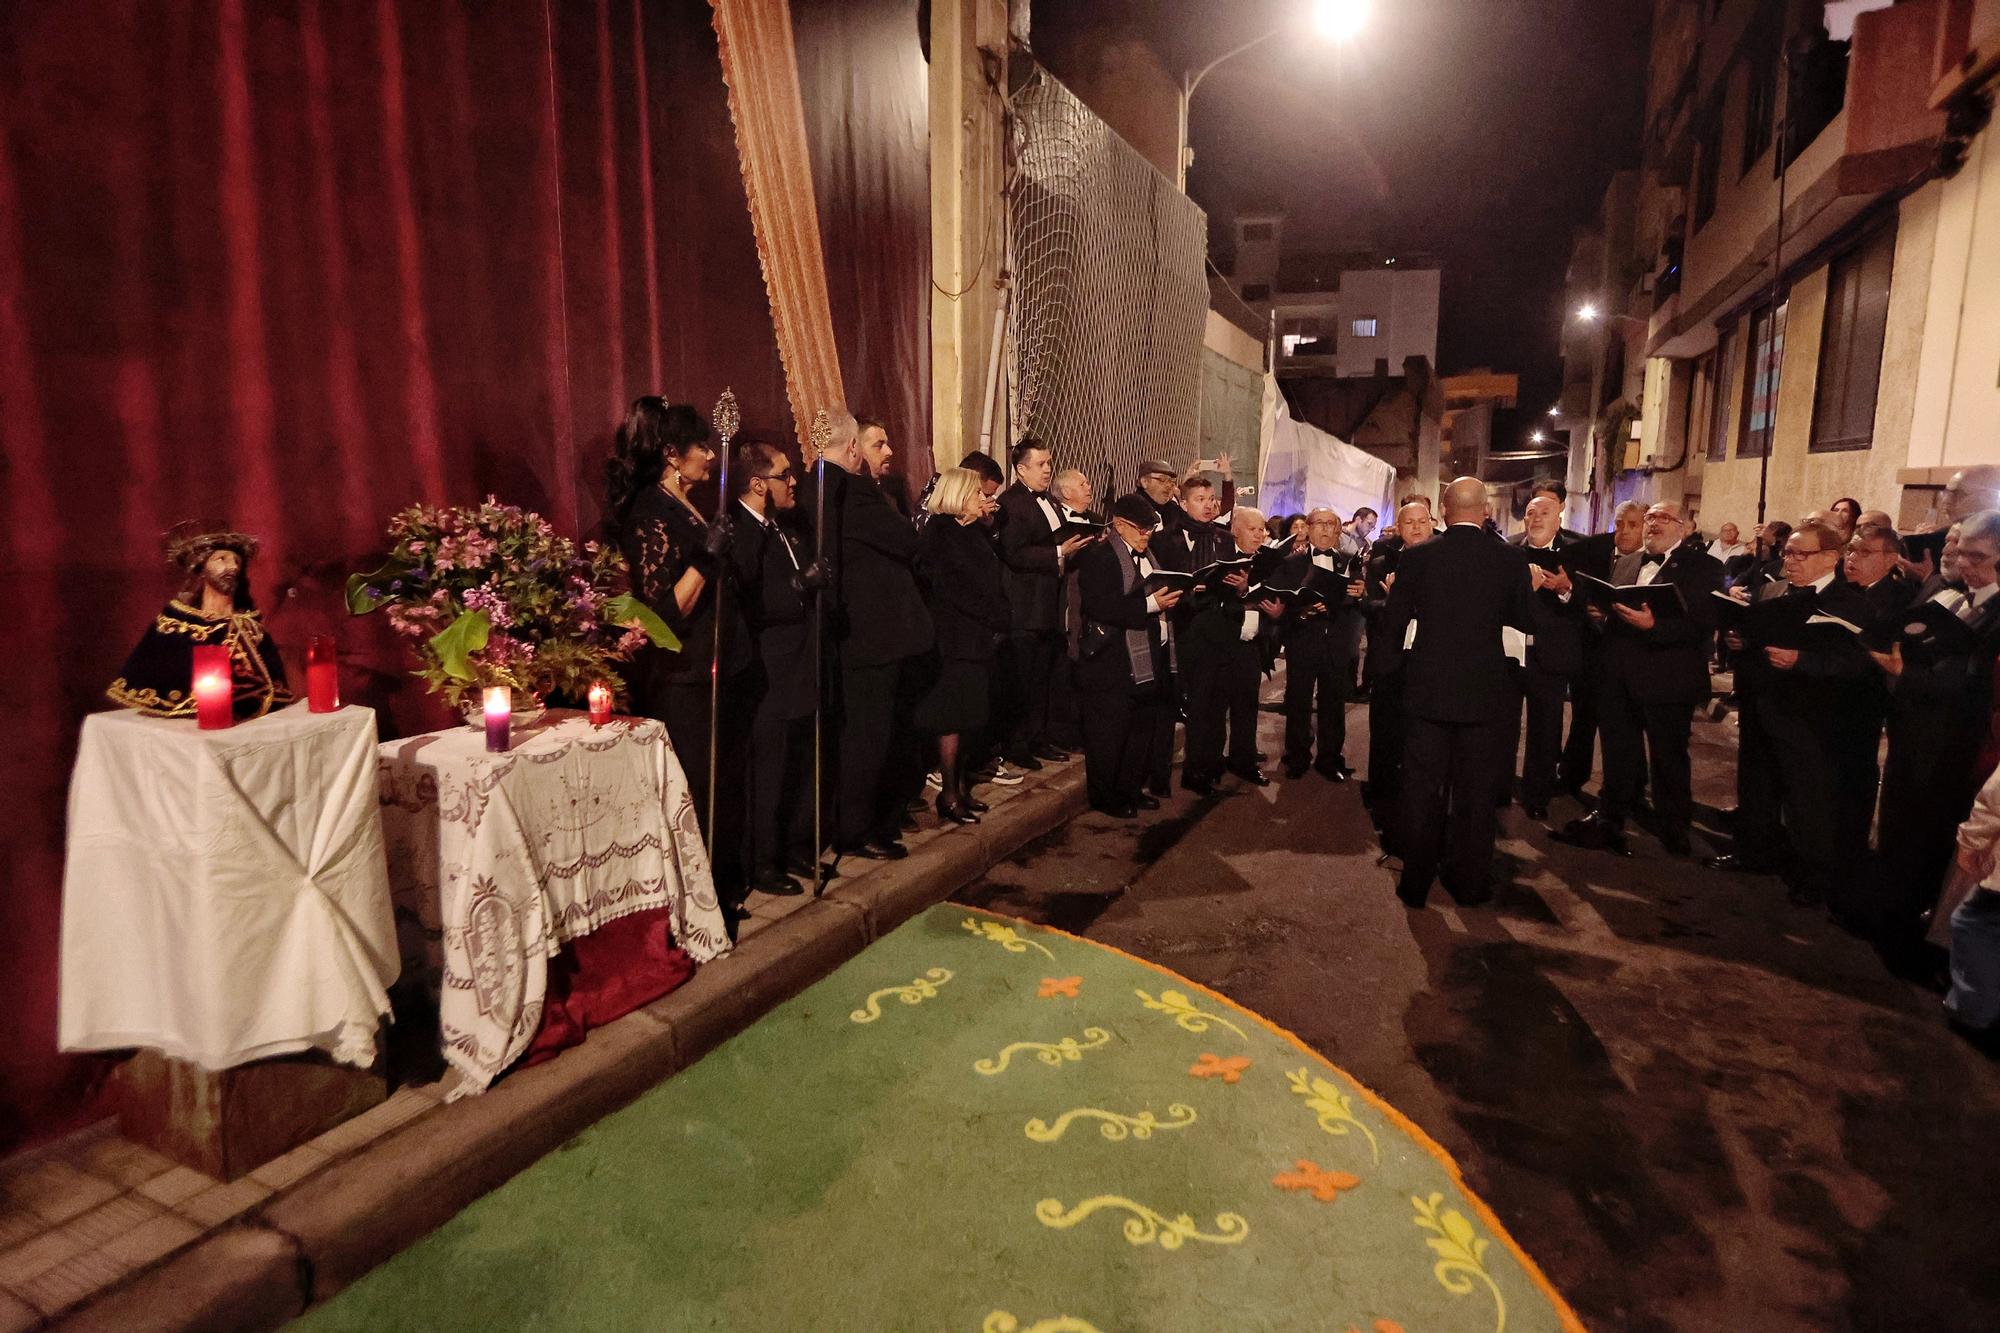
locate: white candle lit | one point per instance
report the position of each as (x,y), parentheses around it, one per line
(499,717)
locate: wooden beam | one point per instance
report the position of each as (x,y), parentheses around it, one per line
(761,69)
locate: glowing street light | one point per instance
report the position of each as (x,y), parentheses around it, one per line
(1556,411)
(1539,437)
(1587,312)
(1342,20)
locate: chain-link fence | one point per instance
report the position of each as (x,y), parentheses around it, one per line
(1109,294)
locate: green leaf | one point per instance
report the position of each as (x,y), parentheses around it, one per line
(359,601)
(625,608)
(456,641)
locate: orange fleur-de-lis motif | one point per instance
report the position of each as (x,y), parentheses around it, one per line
(1058,986)
(1214,1066)
(1322,1185)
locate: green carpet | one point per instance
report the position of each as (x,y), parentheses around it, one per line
(981,1125)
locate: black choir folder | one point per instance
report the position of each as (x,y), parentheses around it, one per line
(1663,597)
(1786,622)
(1078,527)
(1933,630)
(1320,587)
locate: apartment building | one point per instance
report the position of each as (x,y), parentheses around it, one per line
(1796,296)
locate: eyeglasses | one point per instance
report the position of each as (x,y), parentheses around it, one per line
(1801,555)
(787,477)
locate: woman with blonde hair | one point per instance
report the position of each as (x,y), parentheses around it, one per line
(959,571)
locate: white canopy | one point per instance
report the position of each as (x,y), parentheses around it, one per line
(1301,467)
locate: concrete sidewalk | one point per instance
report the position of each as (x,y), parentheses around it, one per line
(144,1244)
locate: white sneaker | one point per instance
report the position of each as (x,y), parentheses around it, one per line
(934,779)
(1004,776)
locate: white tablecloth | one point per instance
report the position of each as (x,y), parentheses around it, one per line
(225,896)
(498,860)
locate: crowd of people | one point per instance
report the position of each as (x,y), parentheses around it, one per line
(1011,620)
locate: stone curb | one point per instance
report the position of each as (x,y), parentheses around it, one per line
(315,1238)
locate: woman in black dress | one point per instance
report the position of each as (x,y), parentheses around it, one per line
(960,573)
(662,450)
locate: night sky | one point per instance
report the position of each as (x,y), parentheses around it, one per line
(1481,131)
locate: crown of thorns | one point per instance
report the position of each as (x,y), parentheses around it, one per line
(192,541)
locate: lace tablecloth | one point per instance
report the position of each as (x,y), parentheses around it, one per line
(499,860)
(224,894)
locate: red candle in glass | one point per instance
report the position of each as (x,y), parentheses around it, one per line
(600,704)
(214,706)
(499,718)
(322,674)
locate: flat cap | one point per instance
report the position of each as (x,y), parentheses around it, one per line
(1136,509)
(1158,465)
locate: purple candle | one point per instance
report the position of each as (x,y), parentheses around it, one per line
(499,718)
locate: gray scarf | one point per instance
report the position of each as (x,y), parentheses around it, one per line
(1138,646)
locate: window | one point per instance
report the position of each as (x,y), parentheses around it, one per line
(1724,370)
(1760,112)
(1766,368)
(1850,350)
(1256,291)
(1362,328)
(1256,231)
(1708,168)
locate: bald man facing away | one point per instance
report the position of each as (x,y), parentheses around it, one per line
(1452,598)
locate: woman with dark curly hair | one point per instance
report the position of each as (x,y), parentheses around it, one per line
(675,553)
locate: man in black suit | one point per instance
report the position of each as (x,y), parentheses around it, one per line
(773,579)
(882,631)
(1160,484)
(1555,655)
(1124,660)
(1595,555)
(1032,563)
(1808,722)
(1319,640)
(1557,490)
(1654,673)
(1451,601)
(1383,790)
(1221,650)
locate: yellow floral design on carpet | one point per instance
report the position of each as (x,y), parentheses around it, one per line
(1002,1322)
(1051,1053)
(1186,1016)
(1144,1226)
(1461,1253)
(1005,936)
(1335,1109)
(1114,1126)
(922,988)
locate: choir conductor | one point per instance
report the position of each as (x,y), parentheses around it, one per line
(1452,598)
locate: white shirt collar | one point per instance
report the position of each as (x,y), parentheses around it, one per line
(1820,584)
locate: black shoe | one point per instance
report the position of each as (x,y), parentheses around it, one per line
(954,814)
(803,868)
(1337,773)
(1595,833)
(1163,790)
(1023,761)
(1294,772)
(879,849)
(1199,786)
(1254,777)
(1538,813)
(1146,802)
(1053,754)
(776,883)
(1116,809)
(1735,863)
(909,824)
(1411,895)
(974,804)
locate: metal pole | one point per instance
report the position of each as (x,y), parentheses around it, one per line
(821,430)
(726,418)
(1591,442)
(1777,277)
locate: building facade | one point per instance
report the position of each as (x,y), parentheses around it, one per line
(1796,295)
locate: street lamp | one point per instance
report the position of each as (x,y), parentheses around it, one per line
(1539,437)
(1337,20)
(1588,313)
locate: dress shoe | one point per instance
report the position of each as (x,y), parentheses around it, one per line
(1146,801)
(879,849)
(778,884)
(1734,863)
(1027,763)
(1163,790)
(1594,832)
(1293,772)
(1337,773)
(1254,777)
(1199,786)
(1412,896)
(803,868)
(954,814)
(1116,809)
(974,804)
(1053,754)
(1535,812)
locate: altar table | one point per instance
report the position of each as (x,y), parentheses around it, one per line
(225,897)
(500,860)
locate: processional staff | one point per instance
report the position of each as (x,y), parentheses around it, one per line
(726,419)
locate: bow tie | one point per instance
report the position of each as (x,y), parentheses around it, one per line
(1648,558)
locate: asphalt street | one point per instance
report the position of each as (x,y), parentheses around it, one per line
(1695,1104)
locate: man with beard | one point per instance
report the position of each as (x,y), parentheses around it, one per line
(213,608)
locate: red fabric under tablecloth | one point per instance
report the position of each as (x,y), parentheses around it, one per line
(605,975)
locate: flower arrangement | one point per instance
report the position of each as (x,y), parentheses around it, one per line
(492,596)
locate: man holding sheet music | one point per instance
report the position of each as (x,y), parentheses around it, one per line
(1222,655)
(1556,654)
(1451,602)
(1805,770)
(1036,544)
(1321,635)
(1659,620)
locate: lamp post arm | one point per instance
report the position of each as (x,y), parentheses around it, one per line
(1190,82)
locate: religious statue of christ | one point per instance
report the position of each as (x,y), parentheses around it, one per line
(214,606)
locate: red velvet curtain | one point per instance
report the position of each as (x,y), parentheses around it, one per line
(298,265)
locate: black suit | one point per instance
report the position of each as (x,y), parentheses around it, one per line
(1120,713)
(1940,717)
(1807,737)
(1591,555)
(1651,683)
(884,632)
(1221,670)
(1554,659)
(1460,590)
(1032,576)
(1319,660)
(778,802)
(1385,692)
